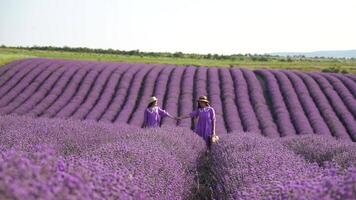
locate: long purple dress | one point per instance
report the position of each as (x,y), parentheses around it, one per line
(153,116)
(204,127)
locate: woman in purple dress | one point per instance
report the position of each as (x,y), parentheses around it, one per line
(205,127)
(153,114)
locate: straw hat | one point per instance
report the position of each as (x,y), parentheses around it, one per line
(203,99)
(152,99)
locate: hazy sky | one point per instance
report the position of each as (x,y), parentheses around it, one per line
(200,26)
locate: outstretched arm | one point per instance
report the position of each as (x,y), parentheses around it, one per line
(191,115)
(170,116)
(164,113)
(184,117)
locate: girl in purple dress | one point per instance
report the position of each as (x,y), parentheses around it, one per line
(153,114)
(205,127)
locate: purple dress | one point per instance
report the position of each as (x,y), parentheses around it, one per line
(204,127)
(153,116)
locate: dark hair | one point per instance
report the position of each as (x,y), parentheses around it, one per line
(151,104)
(204,102)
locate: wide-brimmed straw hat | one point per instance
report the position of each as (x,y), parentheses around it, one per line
(203,99)
(152,99)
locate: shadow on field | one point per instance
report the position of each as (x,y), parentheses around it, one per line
(205,181)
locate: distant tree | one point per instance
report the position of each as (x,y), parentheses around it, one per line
(178,55)
(209,56)
(216,56)
(133,52)
(263,59)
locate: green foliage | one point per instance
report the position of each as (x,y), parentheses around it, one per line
(334,69)
(250,61)
(259,58)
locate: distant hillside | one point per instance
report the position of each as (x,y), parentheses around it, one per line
(334,54)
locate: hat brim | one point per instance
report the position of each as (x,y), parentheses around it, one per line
(152,101)
(200,100)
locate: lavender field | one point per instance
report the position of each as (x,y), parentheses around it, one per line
(72,130)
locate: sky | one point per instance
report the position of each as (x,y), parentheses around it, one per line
(189,26)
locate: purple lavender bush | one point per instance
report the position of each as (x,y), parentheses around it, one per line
(158,163)
(43,175)
(322,149)
(248,166)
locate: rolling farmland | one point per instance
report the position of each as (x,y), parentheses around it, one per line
(72,130)
(272,103)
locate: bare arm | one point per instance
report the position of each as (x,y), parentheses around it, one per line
(164,113)
(213,120)
(170,116)
(184,117)
(214,125)
(191,115)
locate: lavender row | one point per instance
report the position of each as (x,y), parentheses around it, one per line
(117,100)
(343,92)
(334,124)
(200,83)
(263,114)
(13,70)
(19,95)
(311,110)
(132,96)
(68,92)
(149,83)
(41,92)
(200,86)
(161,85)
(19,81)
(232,113)
(348,83)
(172,95)
(53,94)
(108,94)
(93,91)
(214,95)
(298,116)
(186,99)
(115,92)
(279,107)
(352,77)
(9,70)
(338,105)
(79,92)
(242,95)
